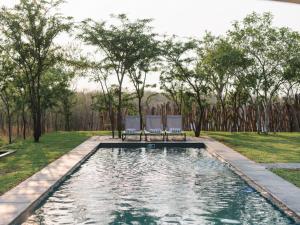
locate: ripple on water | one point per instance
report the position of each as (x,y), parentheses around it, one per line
(170,186)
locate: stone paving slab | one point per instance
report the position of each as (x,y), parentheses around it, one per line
(27,191)
(16,204)
(281,165)
(280,192)
(11,211)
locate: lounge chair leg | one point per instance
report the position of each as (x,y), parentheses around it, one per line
(140,137)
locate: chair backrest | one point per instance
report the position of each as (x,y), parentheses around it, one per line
(132,122)
(174,122)
(153,122)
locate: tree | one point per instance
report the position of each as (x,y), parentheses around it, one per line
(173,89)
(30,29)
(291,88)
(7,88)
(146,55)
(237,99)
(106,100)
(223,62)
(116,43)
(56,93)
(270,49)
(184,61)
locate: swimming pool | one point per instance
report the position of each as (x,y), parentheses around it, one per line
(155,186)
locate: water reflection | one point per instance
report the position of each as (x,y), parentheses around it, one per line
(133,216)
(155,186)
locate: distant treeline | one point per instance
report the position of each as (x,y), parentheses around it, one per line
(284,116)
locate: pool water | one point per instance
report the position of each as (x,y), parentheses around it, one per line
(155,186)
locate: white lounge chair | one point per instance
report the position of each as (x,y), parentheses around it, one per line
(174,127)
(132,127)
(154,126)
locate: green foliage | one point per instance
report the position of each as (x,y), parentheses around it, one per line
(223,62)
(8,91)
(292,68)
(183,65)
(272,51)
(29,30)
(102,102)
(128,48)
(56,94)
(119,45)
(252,64)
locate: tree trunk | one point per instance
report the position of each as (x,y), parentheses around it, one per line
(18,126)
(197,127)
(92,121)
(36,126)
(119,119)
(7,108)
(56,122)
(24,122)
(267,117)
(294,123)
(67,121)
(43,122)
(35,107)
(198,123)
(112,121)
(9,124)
(140,112)
(258,119)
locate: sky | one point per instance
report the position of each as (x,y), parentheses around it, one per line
(185,18)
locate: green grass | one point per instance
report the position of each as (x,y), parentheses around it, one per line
(31,157)
(292,176)
(272,148)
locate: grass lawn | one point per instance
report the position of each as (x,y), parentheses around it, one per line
(272,148)
(31,157)
(292,176)
(280,147)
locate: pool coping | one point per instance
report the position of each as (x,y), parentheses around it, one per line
(19,202)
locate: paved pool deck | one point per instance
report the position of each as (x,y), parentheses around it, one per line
(18,203)
(290,166)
